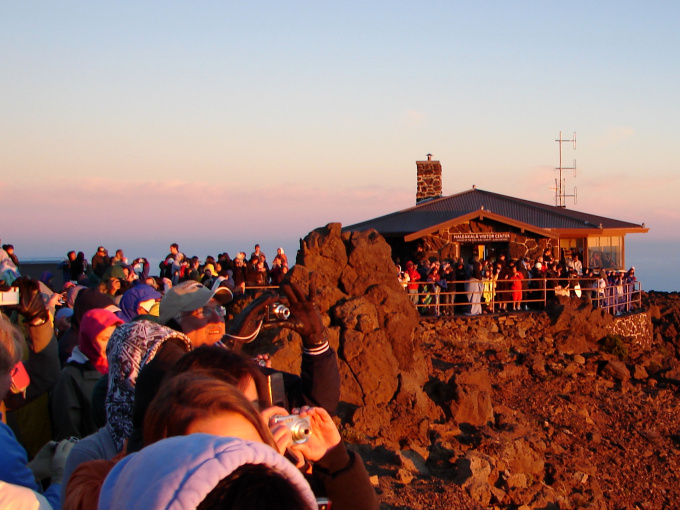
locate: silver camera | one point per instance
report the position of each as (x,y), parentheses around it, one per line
(300,428)
(277,312)
(11,297)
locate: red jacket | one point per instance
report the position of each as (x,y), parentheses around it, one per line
(414,275)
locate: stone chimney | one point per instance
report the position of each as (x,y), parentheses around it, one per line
(429,179)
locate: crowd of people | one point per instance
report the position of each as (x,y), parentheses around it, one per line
(125,390)
(239,272)
(499,284)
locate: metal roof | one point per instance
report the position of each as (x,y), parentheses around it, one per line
(429,214)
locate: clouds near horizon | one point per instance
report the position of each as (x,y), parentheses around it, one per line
(104,208)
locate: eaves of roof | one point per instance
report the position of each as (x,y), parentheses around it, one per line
(480,214)
(436,214)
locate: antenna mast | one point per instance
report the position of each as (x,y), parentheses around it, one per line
(560,188)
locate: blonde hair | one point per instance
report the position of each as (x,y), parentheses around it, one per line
(11,342)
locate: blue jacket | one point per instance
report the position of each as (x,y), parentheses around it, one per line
(14,467)
(179,472)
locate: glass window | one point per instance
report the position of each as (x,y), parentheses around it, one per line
(571,247)
(605,252)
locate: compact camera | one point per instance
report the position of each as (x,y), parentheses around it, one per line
(277,312)
(300,428)
(11,297)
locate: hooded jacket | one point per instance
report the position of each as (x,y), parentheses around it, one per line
(85,300)
(131,299)
(179,472)
(14,470)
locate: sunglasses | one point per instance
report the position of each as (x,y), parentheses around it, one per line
(209,311)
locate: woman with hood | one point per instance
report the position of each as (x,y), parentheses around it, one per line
(201,471)
(196,404)
(71,400)
(83,301)
(139,300)
(212,390)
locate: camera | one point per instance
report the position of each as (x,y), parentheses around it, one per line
(277,312)
(300,428)
(11,297)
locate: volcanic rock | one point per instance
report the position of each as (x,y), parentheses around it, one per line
(528,410)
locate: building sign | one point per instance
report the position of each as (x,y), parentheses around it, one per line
(482,237)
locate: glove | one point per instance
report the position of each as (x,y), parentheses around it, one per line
(59,460)
(245,327)
(31,304)
(41,465)
(304,315)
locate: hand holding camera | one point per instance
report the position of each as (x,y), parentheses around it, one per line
(245,327)
(308,433)
(31,304)
(305,315)
(324,434)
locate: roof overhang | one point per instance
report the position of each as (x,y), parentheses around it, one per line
(585,232)
(481,214)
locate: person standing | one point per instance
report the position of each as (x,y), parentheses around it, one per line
(101,262)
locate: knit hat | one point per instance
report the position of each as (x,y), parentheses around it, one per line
(114,271)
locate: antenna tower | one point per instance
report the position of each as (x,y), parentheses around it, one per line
(560,188)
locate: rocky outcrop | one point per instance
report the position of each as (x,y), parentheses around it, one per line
(544,410)
(372,326)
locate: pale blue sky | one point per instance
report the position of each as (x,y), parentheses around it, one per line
(222,124)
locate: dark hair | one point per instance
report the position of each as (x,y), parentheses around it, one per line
(225,365)
(253,487)
(175,246)
(196,395)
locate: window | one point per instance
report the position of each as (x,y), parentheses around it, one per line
(569,247)
(605,252)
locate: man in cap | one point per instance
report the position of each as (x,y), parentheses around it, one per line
(196,311)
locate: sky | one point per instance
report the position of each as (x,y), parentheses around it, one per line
(219,125)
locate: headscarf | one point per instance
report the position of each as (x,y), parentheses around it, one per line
(93,323)
(131,346)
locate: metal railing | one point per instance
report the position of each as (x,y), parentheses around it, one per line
(473,297)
